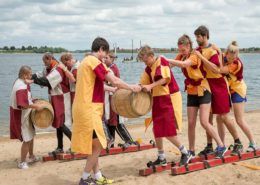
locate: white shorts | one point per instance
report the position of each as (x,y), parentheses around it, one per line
(27,128)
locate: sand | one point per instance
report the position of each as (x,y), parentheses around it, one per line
(124,167)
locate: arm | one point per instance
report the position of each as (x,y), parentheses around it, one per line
(154,84)
(215,47)
(207,63)
(42,81)
(220,70)
(179,63)
(117,82)
(109,88)
(68,74)
(36,106)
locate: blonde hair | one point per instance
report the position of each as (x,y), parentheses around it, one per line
(145,51)
(185,40)
(23,71)
(66,57)
(233,47)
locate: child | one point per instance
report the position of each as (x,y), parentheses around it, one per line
(159,79)
(20,125)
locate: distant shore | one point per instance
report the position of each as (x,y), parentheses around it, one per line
(174,50)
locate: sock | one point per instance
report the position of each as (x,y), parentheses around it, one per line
(85,175)
(161,154)
(209,145)
(98,175)
(183,149)
(237,141)
(252,143)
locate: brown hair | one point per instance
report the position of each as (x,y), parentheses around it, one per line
(66,57)
(185,40)
(145,51)
(111,54)
(24,70)
(100,43)
(48,56)
(202,30)
(233,47)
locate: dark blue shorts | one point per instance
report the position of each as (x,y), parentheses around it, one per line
(236,98)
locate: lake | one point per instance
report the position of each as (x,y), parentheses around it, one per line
(130,72)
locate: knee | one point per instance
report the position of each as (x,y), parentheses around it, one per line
(204,124)
(239,121)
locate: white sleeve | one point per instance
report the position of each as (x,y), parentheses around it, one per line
(54,78)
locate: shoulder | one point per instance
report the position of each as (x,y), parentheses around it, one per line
(19,84)
(164,62)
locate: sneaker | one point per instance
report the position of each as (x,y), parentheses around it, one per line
(125,145)
(56,151)
(185,158)
(33,159)
(220,151)
(69,151)
(88,181)
(104,180)
(23,165)
(192,153)
(252,147)
(206,151)
(237,149)
(157,162)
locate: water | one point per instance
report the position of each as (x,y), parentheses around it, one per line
(130,72)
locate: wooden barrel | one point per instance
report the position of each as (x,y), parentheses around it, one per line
(131,105)
(44,117)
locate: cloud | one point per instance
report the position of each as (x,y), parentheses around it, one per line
(73,24)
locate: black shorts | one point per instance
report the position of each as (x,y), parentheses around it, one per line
(196,101)
(94,136)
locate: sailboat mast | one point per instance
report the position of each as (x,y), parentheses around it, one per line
(132,49)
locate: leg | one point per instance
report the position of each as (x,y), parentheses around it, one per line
(204,117)
(24,151)
(59,132)
(112,130)
(239,115)
(123,133)
(175,140)
(221,128)
(209,138)
(185,155)
(66,131)
(92,160)
(192,116)
(159,143)
(230,125)
(31,155)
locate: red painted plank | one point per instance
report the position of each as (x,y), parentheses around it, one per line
(178,170)
(231,159)
(47,158)
(248,155)
(258,153)
(104,152)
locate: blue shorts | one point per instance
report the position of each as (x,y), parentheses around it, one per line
(236,98)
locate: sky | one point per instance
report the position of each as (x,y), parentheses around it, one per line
(74,24)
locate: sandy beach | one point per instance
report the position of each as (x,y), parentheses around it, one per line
(124,167)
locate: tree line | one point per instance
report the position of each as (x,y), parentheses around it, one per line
(32,49)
